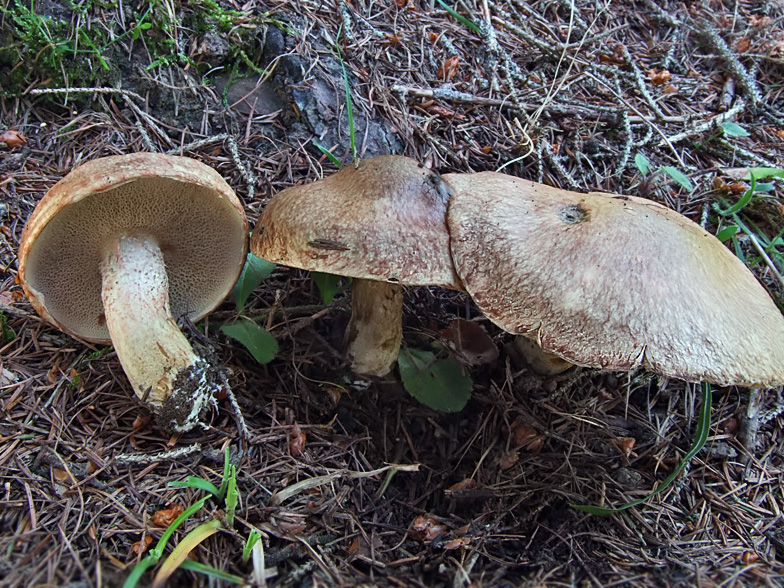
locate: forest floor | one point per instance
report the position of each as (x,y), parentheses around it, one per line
(663,100)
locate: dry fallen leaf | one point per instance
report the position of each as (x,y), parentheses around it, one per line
(462,485)
(448,69)
(523,435)
(470,342)
(425,529)
(297,443)
(141,421)
(164,518)
(13,139)
(659,78)
(456,543)
(142,545)
(624,445)
(742,45)
(508,461)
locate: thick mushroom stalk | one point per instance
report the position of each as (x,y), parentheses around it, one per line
(382,222)
(375,331)
(119,246)
(162,367)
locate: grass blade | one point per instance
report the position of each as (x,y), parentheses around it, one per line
(326,152)
(349,106)
(226,474)
(201,568)
(703,428)
(471,25)
(251,541)
(180,553)
(197,483)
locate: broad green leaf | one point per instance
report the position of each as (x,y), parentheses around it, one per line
(437,383)
(703,428)
(328,285)
(764,187)
(642,164)
(760,173)
(734,130)
(678,176)
(727,232)
(256,270)
(198,484)
(258,341)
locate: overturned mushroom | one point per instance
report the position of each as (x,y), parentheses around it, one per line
(380,221)
(612,282)
(121,246)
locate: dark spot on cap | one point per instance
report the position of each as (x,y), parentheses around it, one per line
(573,214)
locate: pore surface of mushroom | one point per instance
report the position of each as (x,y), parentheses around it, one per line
(381,221)
(120,247)
(612,282)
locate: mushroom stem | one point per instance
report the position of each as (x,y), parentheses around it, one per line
(162,367)
(375,331)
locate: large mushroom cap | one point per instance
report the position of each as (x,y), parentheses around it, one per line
(186,206)
(612,282)
(381,219)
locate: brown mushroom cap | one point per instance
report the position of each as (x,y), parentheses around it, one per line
(612,282)
(184,205)
(380,219)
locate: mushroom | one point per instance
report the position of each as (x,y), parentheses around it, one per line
(122,245)
(380,221)
(612,282)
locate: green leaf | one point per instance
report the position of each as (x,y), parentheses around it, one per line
(437,383)
(258,341)
(727,232)
(761,173)
(256,270)
(678,176)
(328,285)
(703,428)
(764,187)
(642,164)
(734,130)
(198,484)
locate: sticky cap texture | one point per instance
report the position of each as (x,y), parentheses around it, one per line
(383,219)
(186,206)
(612,282)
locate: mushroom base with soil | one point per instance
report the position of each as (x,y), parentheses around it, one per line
(162,367)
